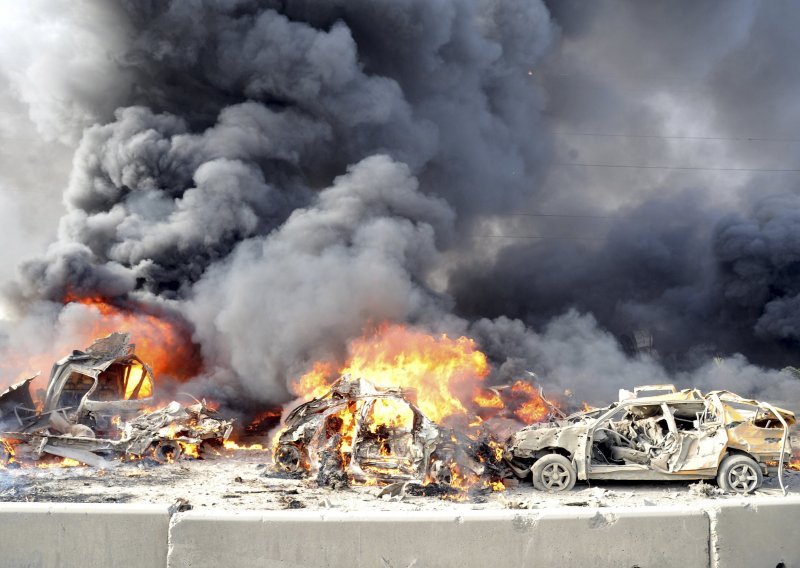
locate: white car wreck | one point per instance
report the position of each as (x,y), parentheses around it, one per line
(666,436)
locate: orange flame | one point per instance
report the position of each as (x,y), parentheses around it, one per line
(532,408)
(231,445)
(445,373)
(159,342)
(794,463)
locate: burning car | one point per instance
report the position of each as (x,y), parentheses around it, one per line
(97,404)
(369,435)
(658,433)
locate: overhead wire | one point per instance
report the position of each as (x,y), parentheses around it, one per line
(678,137)
(661,167)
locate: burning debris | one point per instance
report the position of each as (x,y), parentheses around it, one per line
(99,403)
(363,434)
(677,435)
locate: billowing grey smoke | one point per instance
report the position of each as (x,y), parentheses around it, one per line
(670,204)
(285,174)
(359,255)
(759,259)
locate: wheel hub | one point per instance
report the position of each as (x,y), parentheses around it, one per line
(742,478)
(555,476)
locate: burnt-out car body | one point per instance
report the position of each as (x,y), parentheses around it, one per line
(98,403)
(376,434)
(667,436)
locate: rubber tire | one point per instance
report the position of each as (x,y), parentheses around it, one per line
(738,463)
(289,458)
(166,448)
(544,468)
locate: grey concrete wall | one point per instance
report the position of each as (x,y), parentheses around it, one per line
(731,533)
(62,535)
(756,532)
(606,537)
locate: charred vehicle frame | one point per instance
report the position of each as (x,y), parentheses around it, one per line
(338,431)
(96,404)
(672,435)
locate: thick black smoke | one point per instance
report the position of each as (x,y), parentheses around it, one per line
(703,257)
(285,174)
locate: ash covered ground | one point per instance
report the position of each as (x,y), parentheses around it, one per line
(244,480)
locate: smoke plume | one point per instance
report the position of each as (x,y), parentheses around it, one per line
(280,176)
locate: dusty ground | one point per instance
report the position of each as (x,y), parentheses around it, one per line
(242,481)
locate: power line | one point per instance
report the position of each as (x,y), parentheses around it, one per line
(564,216)
(690,168)
(534,237)
(676,137)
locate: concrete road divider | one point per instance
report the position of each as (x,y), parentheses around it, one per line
(717,533)
(655,536)
(64,535)
(755,531)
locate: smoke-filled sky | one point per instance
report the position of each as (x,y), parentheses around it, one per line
(547,177)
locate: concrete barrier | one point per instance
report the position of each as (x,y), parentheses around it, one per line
(730,533)
(655,536)
(755,532)
(60,535)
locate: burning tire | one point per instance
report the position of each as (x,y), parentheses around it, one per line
(290,458)
(167,451)
(739,474)
(5,454)
(442,473)
(553,473)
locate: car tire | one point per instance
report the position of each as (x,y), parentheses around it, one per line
(739,474)
(553,473)
(167,451)
(290,458)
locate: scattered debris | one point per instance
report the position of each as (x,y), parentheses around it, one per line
(701,488)
(181,505)
(669,435)
(293,504)
(96,406)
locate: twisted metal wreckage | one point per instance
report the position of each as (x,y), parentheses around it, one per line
(97,406)
(672,435)
(361,433)
(659,433)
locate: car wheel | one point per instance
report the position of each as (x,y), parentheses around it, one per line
(553,473)
(739,474)
(289,458)
(167,451)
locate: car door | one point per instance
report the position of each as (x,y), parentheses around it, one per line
(703,439)
(612,450)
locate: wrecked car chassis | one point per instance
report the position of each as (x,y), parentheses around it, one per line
(97,405)
(162,434)
(341,434)
(678,435)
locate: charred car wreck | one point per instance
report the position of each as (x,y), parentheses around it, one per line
(360,433)
(96,406)
(658,433)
